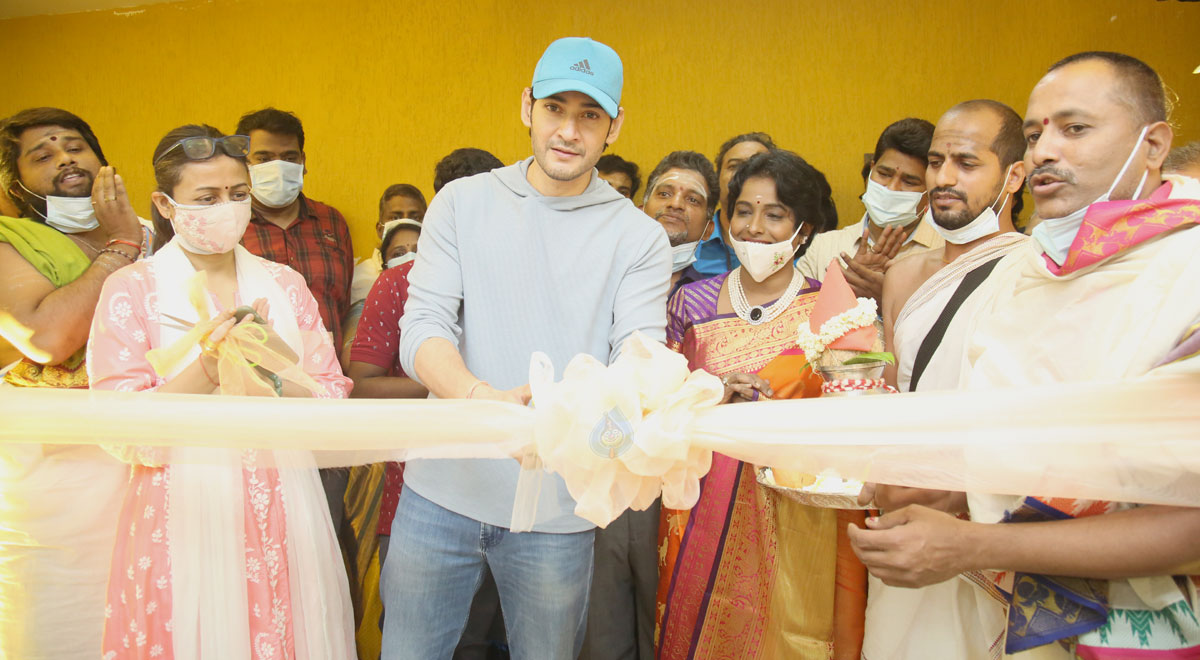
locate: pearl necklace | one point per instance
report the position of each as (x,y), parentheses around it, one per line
(757,314)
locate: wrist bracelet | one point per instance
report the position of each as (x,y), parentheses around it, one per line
(471,391)
(206,374)
(109,250)
(121,241)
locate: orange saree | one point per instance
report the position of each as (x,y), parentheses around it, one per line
(747,573)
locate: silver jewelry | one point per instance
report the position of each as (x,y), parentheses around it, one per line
(757,314)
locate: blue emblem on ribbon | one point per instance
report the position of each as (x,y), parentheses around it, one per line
(612,435)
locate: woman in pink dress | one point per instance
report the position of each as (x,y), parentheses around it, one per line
(220,553)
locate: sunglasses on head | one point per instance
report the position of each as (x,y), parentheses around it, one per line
(201,148)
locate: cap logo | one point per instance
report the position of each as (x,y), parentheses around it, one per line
(582,67)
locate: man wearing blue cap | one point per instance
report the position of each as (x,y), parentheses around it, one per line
(538,256)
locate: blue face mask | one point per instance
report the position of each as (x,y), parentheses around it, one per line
(1056,235)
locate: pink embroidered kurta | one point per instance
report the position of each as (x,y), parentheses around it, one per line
(139,610)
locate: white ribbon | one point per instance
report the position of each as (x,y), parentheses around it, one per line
(1128,441)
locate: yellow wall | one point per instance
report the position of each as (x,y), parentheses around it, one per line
(387,88)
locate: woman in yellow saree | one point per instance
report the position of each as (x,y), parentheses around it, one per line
(747,573)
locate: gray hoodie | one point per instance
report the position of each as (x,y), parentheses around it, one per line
(503,271)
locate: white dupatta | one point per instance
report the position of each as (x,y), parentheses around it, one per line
(205,508)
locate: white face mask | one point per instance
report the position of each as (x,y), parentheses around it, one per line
(212,229)
(70,215)
(276,183)
(1056,235)
(400,260)
(984,224)
(888,207)
(684,254)
(761,260)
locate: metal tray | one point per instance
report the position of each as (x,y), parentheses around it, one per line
(809,495)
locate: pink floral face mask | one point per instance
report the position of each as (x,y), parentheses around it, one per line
(214,229)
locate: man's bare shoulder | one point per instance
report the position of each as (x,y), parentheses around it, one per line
(917,265)
(906,274)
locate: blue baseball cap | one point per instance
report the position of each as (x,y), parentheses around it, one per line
(578,64)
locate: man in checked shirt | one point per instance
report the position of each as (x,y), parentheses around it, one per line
(310,237)
(290,228)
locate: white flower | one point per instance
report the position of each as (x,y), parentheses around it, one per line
(157,536)
(143,562)
(151,607)
(862,315)
(148,512)
(156,650)
(141,639)
(121,310)
(108,611)
(161,583)
(253,570)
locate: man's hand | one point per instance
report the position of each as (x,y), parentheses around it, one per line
(740,387)
(518,395)
(113,210)
(914,547)
(890,498)
(864,271)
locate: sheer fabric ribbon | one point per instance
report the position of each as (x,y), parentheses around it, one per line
(621,434)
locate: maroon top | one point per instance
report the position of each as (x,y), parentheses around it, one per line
(317,245)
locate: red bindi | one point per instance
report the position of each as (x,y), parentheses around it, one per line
(1046,121)
(53,138)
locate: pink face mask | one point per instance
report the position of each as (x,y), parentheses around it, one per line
(214,229)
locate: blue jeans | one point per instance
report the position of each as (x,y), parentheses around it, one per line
(435,564)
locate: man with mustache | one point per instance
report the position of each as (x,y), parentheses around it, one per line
(1105,291)
(541,256)
(974,178)
(681,196)
(60,504)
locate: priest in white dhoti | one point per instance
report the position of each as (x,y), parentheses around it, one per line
(974,178)
(1107,291)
